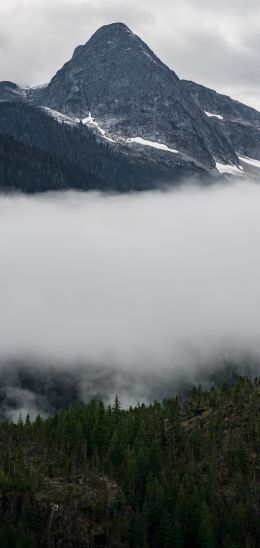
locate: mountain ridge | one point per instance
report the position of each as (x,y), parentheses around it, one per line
(118,88)
(117,78)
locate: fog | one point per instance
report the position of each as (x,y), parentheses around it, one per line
(129,293)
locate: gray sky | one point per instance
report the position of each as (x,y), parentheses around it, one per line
(213,43)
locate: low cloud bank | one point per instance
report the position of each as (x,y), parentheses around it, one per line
(130,291)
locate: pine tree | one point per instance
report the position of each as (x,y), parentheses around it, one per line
(177,535)
(117,405)
(205,534)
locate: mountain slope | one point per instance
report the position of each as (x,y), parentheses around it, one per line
(26,168)
(131,93)
(239,123)
(127,122)
(10,92)
(40,153)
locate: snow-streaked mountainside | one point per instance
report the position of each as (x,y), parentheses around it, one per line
(116,89)
(239,123)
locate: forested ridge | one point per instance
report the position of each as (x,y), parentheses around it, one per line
(181,473)
(48,155)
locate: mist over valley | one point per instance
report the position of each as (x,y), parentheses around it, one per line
(139,294)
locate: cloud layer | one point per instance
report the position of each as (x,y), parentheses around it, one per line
(150,284)
(216,44)
(136,294)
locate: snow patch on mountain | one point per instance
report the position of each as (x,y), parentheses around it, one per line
(211,115)
(154,144)
(74,121)
(250,161)
(61,118)
(90,121)
(37,88)
(19,91)
(230,169)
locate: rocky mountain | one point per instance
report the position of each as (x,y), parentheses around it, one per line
(10,92)
(40,151)
(132,94)
(239,123)
(115,90)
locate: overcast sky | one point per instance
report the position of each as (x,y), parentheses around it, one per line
(214,43)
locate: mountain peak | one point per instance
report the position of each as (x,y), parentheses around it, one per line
(107,33)
(118,27)
(113,30)
(116,44)
(132,94)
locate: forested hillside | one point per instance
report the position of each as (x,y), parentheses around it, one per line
(48,155)
(181,473)
(26,168)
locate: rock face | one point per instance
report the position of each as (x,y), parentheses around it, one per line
(74,512)
(115,86)
(239,123)
(131,93)
(10,92)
